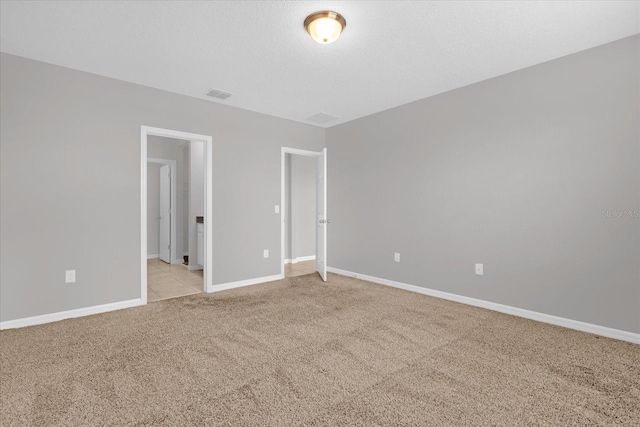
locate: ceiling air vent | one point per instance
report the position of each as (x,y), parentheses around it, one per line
(322,118)
(217,93)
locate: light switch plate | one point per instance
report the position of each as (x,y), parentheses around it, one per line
(266,253)
(396,257)
(70,276)
(480,269)
(277,209)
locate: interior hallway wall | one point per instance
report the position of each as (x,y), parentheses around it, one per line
(153,209)
(523,172)
(70,184)
(286,209)
(171,149)
(186,191)
(196,197)
(300,206)
(303,205)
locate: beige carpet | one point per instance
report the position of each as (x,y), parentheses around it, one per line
(303,352)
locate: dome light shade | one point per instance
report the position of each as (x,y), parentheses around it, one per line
(325,27)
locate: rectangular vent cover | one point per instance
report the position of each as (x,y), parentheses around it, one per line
(217,93)
(322,118)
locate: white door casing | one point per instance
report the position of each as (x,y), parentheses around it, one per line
(145,131)
(321,224)
(165,214)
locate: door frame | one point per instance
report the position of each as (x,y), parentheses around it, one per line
(174,213)
(283,156)
(207,141)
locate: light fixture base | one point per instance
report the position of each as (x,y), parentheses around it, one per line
(325,26)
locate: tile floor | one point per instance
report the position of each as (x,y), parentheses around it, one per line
(171,280)
(299,268)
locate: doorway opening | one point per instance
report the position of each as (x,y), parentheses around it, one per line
(299,215)
(303,201)
(162,209)
(176,210)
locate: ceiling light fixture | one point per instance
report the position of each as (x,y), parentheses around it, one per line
(325,27)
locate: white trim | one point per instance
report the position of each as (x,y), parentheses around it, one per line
(194,267)
(208,206)
(515,311)
(152,256)
(173,244)
(300,259)
(69,314)
(300,152)
(208,215)
(284,151)
(248,282)
(143,214)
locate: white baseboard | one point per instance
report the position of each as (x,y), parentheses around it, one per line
(193,267)
(241,283)
(515,311)
(300,259)
(152,256)
(69,314)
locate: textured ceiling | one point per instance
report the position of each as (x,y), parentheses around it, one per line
(390,53)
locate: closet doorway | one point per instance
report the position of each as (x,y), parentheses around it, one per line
(304,208)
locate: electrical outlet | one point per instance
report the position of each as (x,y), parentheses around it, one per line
(396,257)
(70,276)
(266,253)
(479,269)
(277,209)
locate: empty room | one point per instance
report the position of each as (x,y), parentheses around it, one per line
(307,213)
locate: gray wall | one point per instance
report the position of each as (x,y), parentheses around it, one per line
(153,208)
(196,197)
(286,209)
(171,149)
(300,206)
(513,172)
(70,184)
(186,189)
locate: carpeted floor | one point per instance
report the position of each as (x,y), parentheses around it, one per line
(303,352)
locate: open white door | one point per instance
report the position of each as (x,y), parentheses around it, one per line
(165,214)
(321,225)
